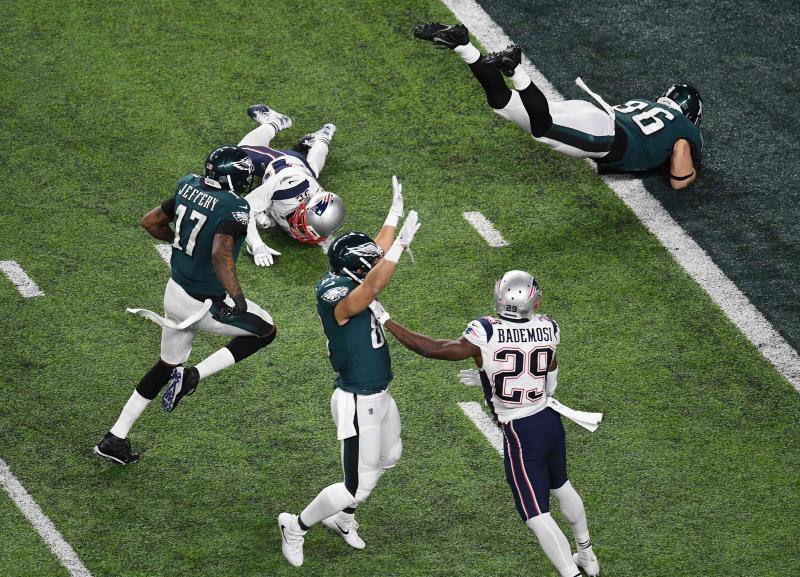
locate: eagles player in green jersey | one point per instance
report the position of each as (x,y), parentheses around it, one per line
(365,414)
(638,136)
(203,294)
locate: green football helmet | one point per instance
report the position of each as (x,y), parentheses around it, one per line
(231,168)
(353,254)
(685,98)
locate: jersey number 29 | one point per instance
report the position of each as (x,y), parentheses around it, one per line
(200,220)
(535,363)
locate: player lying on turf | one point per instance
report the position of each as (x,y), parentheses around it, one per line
(364,413)
(289,194)
(203,294)
(636,136)
(516,354)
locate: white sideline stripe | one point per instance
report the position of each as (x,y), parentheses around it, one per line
(65,553)
(165,252)
(657,220)
(486,229)
(17,275)
(484,423)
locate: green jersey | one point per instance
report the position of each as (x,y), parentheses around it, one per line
(358,349)
(651,130)
(198,213)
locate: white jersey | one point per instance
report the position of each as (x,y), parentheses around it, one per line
(286,184)
(516,356)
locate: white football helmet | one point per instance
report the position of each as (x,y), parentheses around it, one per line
(516,295)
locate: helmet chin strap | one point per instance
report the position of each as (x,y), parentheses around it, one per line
(230,183)
(346,271)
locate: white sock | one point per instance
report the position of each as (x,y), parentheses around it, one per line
(260,136)
(468,53)
(130,412)
(316,156)
(554,544)
(215,362)
(331,500)
(520,79)
(573,511)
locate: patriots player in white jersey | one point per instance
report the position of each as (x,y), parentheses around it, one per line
(289,194)
(516,355)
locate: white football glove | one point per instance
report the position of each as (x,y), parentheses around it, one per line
(263,255)
(264,220)
(470,377)
(404,237)
(397,204)
(380,313)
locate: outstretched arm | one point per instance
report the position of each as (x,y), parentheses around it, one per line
(682,171)
(444,349)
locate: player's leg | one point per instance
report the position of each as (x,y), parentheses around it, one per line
(314,147)
(175,349)
(571,506)
(526,448)
(252,331)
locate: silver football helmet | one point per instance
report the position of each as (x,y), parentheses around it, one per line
(317,218)
(516,295)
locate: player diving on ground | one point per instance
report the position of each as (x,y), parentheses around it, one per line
(516,355)
(289,195)
(365,415)
(203,293)
(639,135)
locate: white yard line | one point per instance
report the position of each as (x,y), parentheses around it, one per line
(657,220)
(486,229)
(484,423)
(17,275)
(65,553)
(165,252)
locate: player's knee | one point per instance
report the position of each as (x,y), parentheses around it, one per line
(541,124)
(154,380)
(243,347)
(393,455)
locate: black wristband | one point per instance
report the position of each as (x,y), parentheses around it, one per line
(239,303)
(687,177)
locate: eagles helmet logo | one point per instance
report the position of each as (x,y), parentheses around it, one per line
(367,249)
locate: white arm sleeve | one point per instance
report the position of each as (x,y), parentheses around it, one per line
(253,239)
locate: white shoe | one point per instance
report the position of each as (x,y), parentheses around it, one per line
(263,114)
(345,526)
(291,538)
(324,134)
(588,562)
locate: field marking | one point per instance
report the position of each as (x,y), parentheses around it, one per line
(485,228)
(165,252)
(484,423)
(65,553)
(17,275)
(686,252)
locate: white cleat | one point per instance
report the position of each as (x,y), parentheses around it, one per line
(263,114)
(291,538)
(345,526)
(324,134)
(588,562)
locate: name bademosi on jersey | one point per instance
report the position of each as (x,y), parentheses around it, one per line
(516,356)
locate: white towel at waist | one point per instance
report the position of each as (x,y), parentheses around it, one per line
(585,419)
(165,322)
(344,407)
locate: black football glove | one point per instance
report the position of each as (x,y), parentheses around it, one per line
(227,312)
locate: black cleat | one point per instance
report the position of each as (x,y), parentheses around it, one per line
(182,383)
(115,449)
(505,60)
(442,34)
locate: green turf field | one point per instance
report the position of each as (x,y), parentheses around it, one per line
(695,469)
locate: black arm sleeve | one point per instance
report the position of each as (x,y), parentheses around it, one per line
(168,206)
(232,228)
